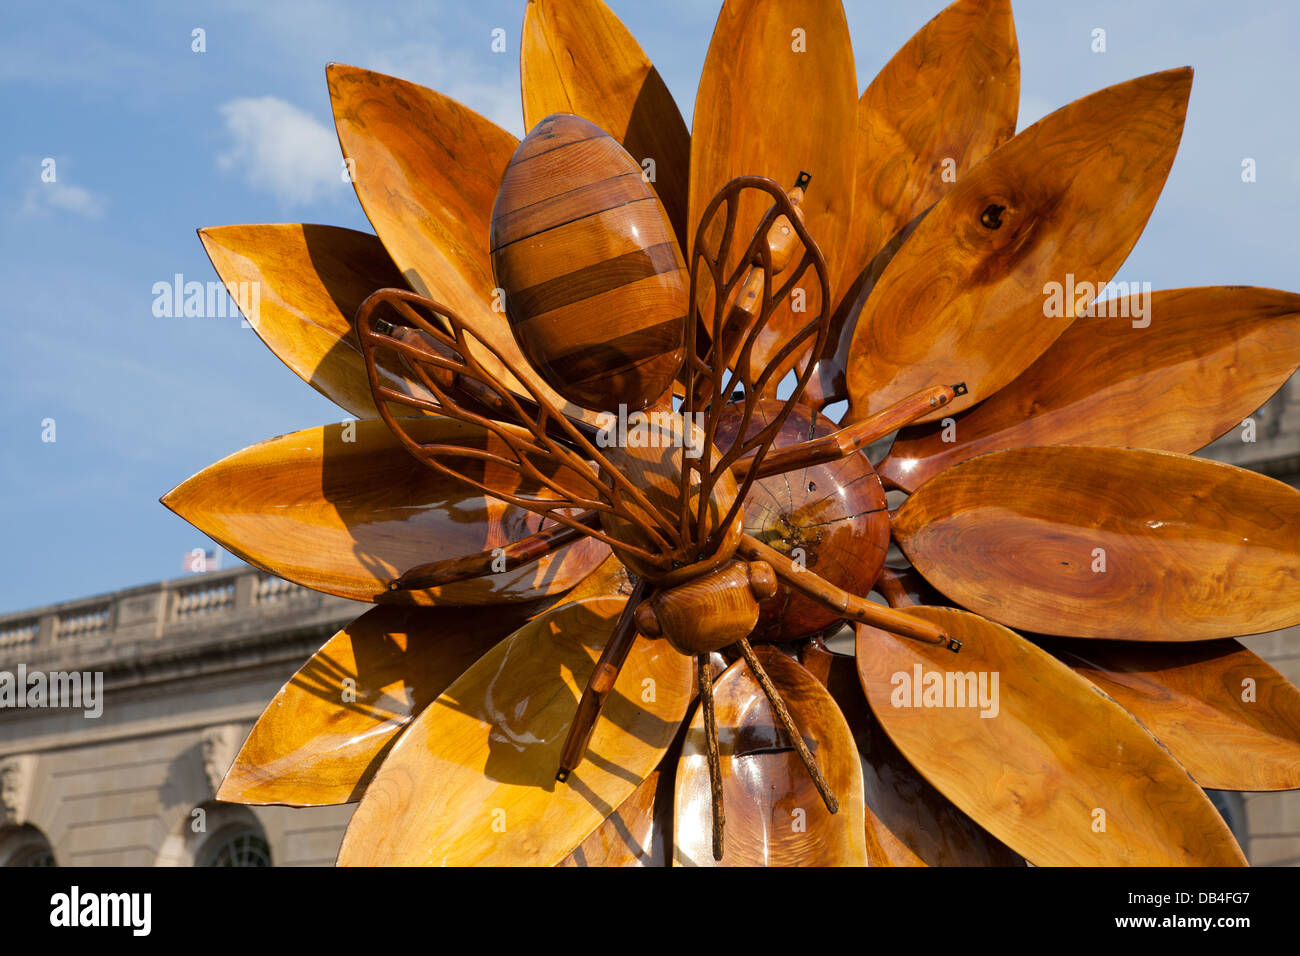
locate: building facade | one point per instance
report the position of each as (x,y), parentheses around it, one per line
(189,665)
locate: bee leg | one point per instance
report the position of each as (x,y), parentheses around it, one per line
(788,725)
(850,605)
(850,438)
(599,684)
(704,676)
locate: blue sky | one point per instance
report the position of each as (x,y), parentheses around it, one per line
(152,140)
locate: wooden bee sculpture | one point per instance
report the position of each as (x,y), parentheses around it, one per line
(603,306)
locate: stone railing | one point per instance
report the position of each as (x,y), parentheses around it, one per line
(170,614)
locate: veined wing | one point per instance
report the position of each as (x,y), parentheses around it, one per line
(735,289)
(572,483)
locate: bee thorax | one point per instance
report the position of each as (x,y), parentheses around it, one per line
(711,611)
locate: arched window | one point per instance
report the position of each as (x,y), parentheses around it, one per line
(25,846)
(240,845)
(216,834)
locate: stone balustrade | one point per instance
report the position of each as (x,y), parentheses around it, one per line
(162,617)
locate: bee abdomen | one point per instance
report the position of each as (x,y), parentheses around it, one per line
(595,285)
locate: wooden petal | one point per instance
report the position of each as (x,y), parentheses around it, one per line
(638,833)
(948,98)
(1109,542)
(964,299)
(345,509)
(778,96)
(472,781)
(577,57)
(426,170)
(774,815)
(310,281)
(909,822)
(320,740)
(1052,763)
(1173,372)
(1223,712)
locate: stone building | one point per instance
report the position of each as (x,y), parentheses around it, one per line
(189,665)
(1271,820)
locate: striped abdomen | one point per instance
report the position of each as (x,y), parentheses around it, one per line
(595,286)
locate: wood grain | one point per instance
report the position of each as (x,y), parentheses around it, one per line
(706,613)
(426,170)
(908,821)
(1191,549)
(577,57)
(348,516)
(947,99)
(654,466)
(833,514)
(310,280)
(1229,717)
(472,780)
(775,816)
(639,832)
(595,286)
(1207,358)
(765,109)
(964,300)
(1057,754)
(320,740)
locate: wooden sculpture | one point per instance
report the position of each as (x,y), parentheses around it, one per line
(608,526)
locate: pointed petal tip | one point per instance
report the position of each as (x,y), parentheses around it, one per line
(233,788)
(168,500)
(1177,78)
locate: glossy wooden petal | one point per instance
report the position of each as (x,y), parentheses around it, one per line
(774,815)
(908,821)
(1223,712)
(609,579)
(426,170)
(948,98)
(322,737)
(1191,549)
(1053,761)
(964,300)
(639,833)
(1174,378)
(310,280)
(348,516)
(472,781)
(766,109)
(577,57)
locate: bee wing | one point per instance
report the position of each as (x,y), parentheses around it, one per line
(718,371)
(549,465)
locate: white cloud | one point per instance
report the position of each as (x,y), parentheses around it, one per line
(281,149)
(64,198)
